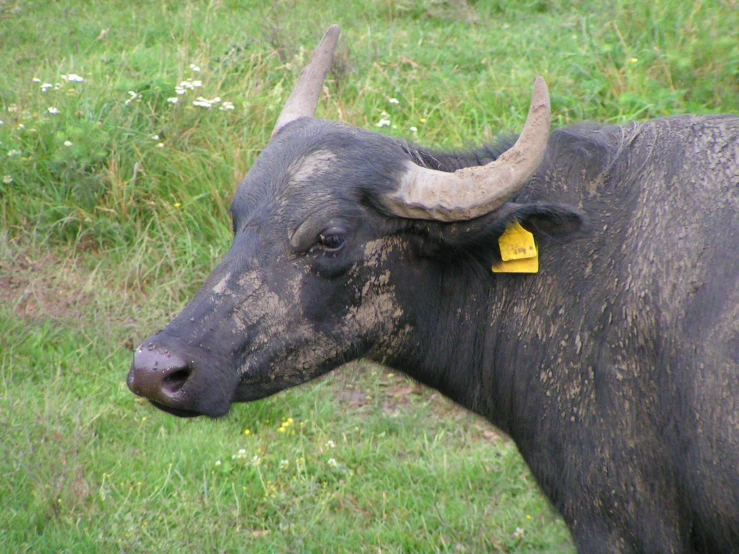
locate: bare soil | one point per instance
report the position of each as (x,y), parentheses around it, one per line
(44,287)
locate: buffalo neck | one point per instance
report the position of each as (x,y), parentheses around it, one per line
(482,340)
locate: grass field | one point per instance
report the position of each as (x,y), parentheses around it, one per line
(125,128)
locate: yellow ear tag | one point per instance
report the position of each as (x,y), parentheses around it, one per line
(518,251)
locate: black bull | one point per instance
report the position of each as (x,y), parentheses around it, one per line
(615,369)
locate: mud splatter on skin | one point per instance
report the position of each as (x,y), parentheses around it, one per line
(306,169)
(221,285)
(372,320)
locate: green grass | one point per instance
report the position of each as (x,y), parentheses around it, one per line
(113,210)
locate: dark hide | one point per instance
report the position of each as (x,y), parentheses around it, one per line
(615,369)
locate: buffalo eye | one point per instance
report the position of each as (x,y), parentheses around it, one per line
(332,240)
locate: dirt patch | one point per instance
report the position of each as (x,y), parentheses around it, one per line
(46,287)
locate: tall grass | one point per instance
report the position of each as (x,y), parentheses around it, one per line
(113,206)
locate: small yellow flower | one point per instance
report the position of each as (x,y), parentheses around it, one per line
(177,205)
(528,516)
(247,432)
(281,430)
(422,120)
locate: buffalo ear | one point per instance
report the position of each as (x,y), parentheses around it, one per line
(480,236)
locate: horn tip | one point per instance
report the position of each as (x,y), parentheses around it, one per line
(334,30)
(540,97)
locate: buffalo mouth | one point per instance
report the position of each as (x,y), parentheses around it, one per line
(179,412)
(253,393)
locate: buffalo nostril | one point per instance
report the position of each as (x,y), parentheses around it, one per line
(158,374)
(173,382)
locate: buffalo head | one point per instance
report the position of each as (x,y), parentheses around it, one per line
(338,233)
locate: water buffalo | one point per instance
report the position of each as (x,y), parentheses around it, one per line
(615,368)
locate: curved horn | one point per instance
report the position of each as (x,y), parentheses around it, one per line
(304,97)
(475,191)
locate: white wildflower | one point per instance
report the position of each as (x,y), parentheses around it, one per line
(36,80)
(131,97)
(174,99)
(13,108)
(189,85)
(46,86)
(154,137)
(330,444)
(518,533)
(184,86)
(160,145)
(194,68)
(384,120)
(256,460)
(284,464)
(67,143)
(73,78)
(413,129)
(218,462)
(201,102)
(7,179)
(20,127)
(332,462)
(52,110)
(226,106)
(394,101)
(13,153)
